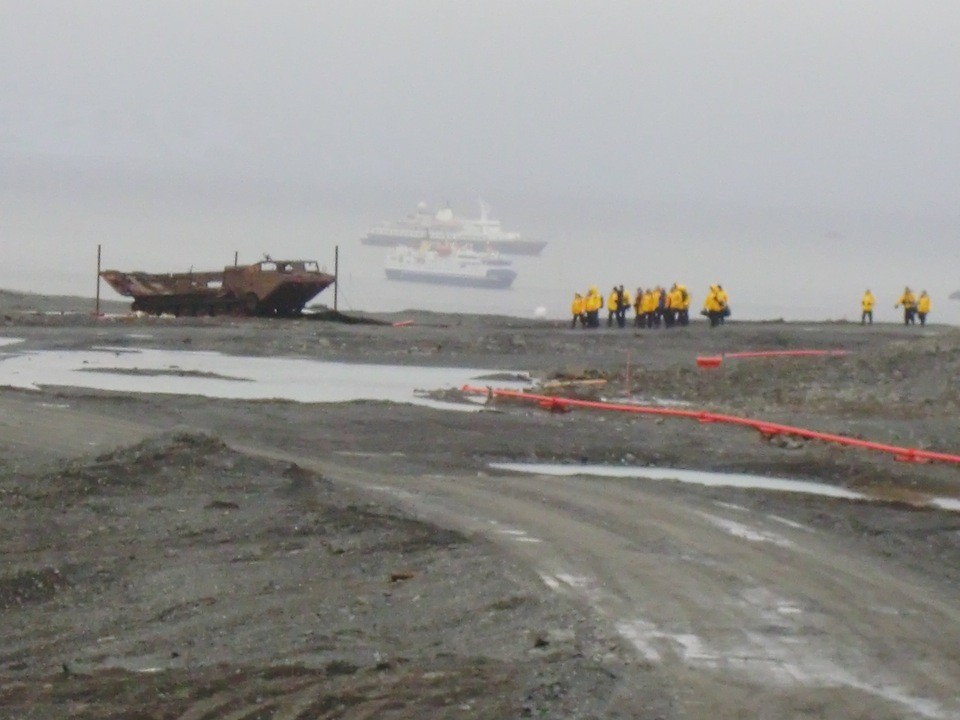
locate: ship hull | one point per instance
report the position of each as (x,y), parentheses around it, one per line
(506,247)
(494,279)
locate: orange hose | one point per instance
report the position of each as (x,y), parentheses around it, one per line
(784,353)
(559,404)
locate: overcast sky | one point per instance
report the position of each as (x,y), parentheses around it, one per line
(805,147)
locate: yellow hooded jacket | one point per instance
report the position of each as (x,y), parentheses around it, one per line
(712,302)
(676,298)
(576,308)
(649,302)
(908,300)
(593,301)
(923,304)
(722,297)
(612,305)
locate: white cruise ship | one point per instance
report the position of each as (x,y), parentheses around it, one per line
(444,227)
(448,265)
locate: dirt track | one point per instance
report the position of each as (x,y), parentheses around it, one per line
(362,560)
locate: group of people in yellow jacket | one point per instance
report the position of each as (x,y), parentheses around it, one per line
(586,308)
(653,307)
(913,307)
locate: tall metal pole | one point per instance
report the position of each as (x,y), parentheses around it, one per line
(336,274)
(97,311)
(236,257)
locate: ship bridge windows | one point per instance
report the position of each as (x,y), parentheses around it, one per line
(268,266)
(311,266)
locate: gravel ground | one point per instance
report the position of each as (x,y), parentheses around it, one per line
(173,556)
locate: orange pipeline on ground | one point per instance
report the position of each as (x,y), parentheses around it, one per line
(712,361)
(768,429)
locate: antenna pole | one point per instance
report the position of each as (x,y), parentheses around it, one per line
(336,274)
(97,310)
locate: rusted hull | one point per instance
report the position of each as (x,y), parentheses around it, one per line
(268,288)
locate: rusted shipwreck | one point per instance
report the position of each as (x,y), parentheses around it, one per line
(266,288)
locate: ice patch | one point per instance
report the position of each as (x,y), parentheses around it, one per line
(10,341)
(731,506)
(789,523)
(550,581)
(711,479)
(697,477)
(746,532)
(574,581)
(637,633)
(518,535)
(946,503)
(784,660)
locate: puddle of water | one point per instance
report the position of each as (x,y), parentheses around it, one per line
(10,341)
(212,374)
(696,477)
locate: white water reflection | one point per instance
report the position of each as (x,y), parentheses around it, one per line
(212,374)
(9,341)
(697,477)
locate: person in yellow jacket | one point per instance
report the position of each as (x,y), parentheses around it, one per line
(659,303)
(683,305)
(724,300)
(613,305)
(644,306)
(638,319)
(576,309)
(674,306)
(649,307)
(909,302)
(623,304)
(866,306)
(713,306)
(923,307)
(591,305)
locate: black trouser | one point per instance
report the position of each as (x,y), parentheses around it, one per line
(593,318)
(867,316)
(909,315)
(622,316)
(573,323)
(683,317)
(610,316)
(669,317)
(923,318)
(716,317)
